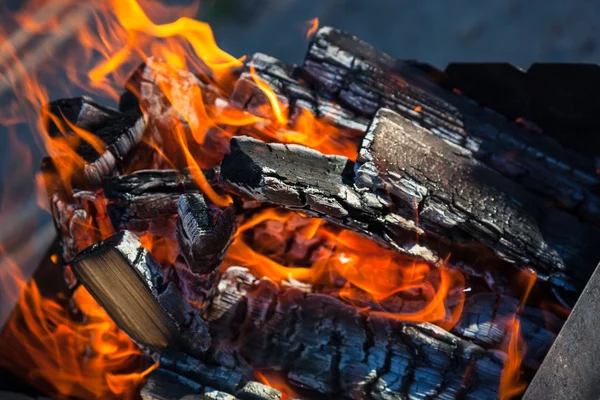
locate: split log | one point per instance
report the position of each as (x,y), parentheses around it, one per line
(129,283)
(202,243)
(461,202)
(364,79)
(331,348)
(462,215)
(221,378)
(486,321)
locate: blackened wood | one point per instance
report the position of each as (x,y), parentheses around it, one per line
(163,384)
(82,111)
(461,202)
(170,320)
(331,348)
(364,79)
(487,319)
(129,186)
(146,201)
(282,78)
(147,84)
(302,179)
(119,133)
(225,377)
(203,243)
(299,178)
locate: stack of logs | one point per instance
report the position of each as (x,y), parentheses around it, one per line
(490,197)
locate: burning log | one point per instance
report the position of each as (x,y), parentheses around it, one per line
(282,78)
(325,345)
(104,135)
(331,348)
(363,79)
(302,179)
(129,283)
(486,321)
(461,203)
(163,384)
(146,201)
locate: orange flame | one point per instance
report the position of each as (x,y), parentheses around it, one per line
(365,266)
(64,356)
(276,380)
(511,384)
(313,26)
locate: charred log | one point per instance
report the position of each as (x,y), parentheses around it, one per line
(129,283)
(203,243)
(299,178)
(460,202)
(146,201)
(333,349)
(486,320)
(116,132)
(364,79)
(283,79)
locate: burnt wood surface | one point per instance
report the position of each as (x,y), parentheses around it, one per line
(460,202)
(461,217)
(363,79)
(331,348)
(118,133)
(292,94)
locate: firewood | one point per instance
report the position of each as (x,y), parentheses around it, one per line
(118,132)
(128,282)
(364,79)
(202,243)
(463,203)
(146,201)
(282,78)
(486,321)
(166,385)
(302,179)
(224,378)
(333,349)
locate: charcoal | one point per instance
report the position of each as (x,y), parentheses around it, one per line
(462,202)
(202,242)
(282,78)
(364,79)
(333,349)
(118,132)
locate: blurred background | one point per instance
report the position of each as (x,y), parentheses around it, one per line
(435,32)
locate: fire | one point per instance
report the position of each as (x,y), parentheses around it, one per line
(83,354)
(276,380)
(511,384)
(313,26)
(63,354)
(373,276)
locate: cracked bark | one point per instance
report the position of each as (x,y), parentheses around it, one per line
(331,348)
(363,79)
(468,218)
(282,78)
